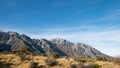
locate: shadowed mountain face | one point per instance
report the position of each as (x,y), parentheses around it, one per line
(12,41)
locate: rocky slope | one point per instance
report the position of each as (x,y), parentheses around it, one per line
(13,41)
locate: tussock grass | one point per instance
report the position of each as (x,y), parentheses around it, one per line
(55,61)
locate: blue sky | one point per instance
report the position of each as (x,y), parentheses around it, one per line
(93,22)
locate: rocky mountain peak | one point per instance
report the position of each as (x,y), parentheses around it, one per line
(61,41)
(12,33)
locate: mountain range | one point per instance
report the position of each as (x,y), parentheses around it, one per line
(13,41)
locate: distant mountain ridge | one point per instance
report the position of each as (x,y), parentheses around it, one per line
(13,41)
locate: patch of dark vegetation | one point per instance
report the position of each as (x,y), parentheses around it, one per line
(81,59)
(4,64)
(55,55)
(92,66)
(51,62)
(34,65)
(79,65)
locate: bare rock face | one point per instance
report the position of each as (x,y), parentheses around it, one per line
(62,42)
(13,41)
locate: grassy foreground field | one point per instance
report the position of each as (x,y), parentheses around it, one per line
(29,61)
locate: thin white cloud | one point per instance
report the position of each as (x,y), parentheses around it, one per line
(63,29)
(113,14)
(110,15)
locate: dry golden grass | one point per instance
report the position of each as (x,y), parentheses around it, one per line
(40,59)
(10,58)
(62,62)
(107,64)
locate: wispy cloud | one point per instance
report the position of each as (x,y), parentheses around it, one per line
(114,14)
(109,16)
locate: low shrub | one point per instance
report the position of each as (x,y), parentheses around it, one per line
(22,57)
(4,64)
(25,57)
(96,66)
(83,60)
(34,65)
(42,66)
(55,55)
(92,66)
(73,66)
(51,62)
